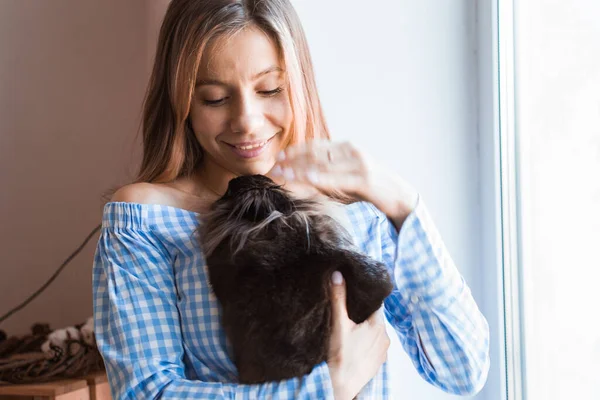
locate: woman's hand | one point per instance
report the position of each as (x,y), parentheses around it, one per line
(355,351)
(343,169)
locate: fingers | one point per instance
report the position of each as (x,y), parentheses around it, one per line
(328,167)
(314,150)
(346,175)
(323,150)
(338,301)
(376,322)
(320,153)
(326,181)
(299,161)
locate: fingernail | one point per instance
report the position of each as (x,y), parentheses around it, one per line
(277,171)
(312,176)
(336,278)
(288,173)
(281,156)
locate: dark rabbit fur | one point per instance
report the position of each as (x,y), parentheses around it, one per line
(270,258)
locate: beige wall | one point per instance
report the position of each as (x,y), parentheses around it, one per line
(72,78)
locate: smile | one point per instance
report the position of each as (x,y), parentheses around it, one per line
(252,146)
(250,149)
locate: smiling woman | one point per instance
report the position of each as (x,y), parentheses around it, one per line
(232,93)
(241,113)
(244,76)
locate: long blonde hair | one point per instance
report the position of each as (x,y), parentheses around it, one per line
(170,148)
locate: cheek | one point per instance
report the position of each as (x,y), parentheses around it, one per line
(207,123)
(281,113)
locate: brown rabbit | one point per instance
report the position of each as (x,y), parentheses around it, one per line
(270,257)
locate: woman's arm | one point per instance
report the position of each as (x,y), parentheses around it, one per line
(137,328)
(431,307)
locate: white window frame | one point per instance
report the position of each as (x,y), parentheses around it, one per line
(501,254)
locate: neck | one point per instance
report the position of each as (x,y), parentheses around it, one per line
(213,177)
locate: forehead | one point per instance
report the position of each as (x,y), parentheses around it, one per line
(240,56)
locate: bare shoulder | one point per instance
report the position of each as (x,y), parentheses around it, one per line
(165,194)
(143,193)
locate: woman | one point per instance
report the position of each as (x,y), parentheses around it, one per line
(232,92)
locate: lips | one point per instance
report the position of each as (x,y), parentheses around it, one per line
(250,145)
(250,149)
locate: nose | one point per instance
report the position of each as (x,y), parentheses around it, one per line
(247,115)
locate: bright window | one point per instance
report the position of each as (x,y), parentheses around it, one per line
(554,158)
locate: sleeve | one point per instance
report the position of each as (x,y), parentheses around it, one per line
(431,307)
(137,329)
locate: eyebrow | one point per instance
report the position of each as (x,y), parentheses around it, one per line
(255,77)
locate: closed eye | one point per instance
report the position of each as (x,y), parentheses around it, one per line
(271,92)
(267,93)
(217,102)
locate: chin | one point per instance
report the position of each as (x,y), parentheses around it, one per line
(257,167)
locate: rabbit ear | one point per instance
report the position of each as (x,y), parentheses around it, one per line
(368,283)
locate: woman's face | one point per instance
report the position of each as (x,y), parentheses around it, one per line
(240,111)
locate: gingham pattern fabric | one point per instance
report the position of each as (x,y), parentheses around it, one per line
(157,321)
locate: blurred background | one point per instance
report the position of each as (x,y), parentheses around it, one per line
(72,79)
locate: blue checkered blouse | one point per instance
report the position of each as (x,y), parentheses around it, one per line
(157,322)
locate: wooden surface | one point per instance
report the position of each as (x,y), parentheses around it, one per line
(98,387)
(54,389)
(97,378)
(93,387)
